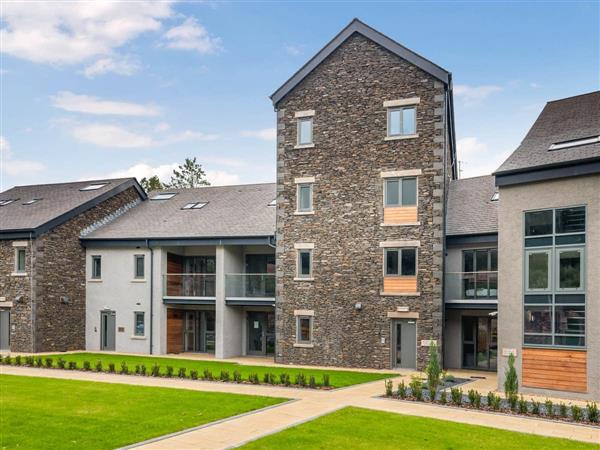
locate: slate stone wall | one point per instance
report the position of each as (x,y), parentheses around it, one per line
(347,92)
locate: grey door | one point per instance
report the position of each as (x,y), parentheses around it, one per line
(4,329)
(107,330)
(405,344)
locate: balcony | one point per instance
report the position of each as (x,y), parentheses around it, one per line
(472,287)
(189,288)
(250,289)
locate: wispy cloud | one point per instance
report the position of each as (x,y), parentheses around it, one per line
(472,95)
(10,165)
(294,50)
(127,65)
(190,35)
(93,105)
(265,134)
(476,158)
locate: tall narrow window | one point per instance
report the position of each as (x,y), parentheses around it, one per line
(96,267)
(20,260)
(400,192)
(305,263)
(304,330)
(139,267)
(538,270)
(305,194)
(402,121)
(305,131)
(139,324)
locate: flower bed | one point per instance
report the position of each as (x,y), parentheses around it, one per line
(299,380)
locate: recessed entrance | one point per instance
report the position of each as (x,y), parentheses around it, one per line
(107,330)
(480,343)
(199,331)
(261,333)
(404,349)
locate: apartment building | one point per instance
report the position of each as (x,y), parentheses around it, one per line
(365,152)
(187,270)
(42,263)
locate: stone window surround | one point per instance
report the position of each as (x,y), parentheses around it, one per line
(304,314)
(401,244)
(390,104)
(304,246)
(304,181)
(298,115)
(139,336)
(18,246)
(410,173)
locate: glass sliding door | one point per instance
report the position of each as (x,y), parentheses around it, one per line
(480,343)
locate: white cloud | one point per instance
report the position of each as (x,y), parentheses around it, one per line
(472,95)
(470,146)
(93,105)
(294,50)
(112,64)
(476,158)
(4,145)
(164,172)
(535,85)
(76,32)
(162,126)
(190,35)
(16,167)
(266,134)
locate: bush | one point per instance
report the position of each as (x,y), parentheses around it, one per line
(99,366)
(389,387)
(207,375)
(522,405)
(142,369)
(194,374)
(402,389)
(155,371)
(433,371)
(181,372)
(535,407)
(111,367)
(272,378)
(576,413)
(8,360)
(224,375)
(448,377)
(474,398)
(47,360)
(169,373)
(124,369)
(39,362)
(137,369)
(443,397)
(18,360)
(300,380)
(61,363)
(72,365)
(563,411)
(253,378)
(237,376)
(266,378)
(513,399)
(511,381)
(312,383)
(457,396)
(325,380)
(549,406)
(87,366)
(592,412)
(29,361)
(494,401)
(416,387)
(284,379)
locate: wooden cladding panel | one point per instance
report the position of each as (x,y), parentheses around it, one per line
(563,370)
(174,265)
(400,215)
(174,330)
(399,284)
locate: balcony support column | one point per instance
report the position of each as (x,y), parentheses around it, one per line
(228,319)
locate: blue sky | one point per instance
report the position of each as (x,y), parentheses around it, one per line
(98,89)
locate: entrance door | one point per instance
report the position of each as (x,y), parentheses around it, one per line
(405,344)
(199,331)
(480,343)
(261,333)
(4,329)
(107,330)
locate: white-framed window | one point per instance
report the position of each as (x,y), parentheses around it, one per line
(139,267)
(304,197)
(400,262)
(305,130)
(20,260)
(139,324)
(304,329)
(402,121)
(400,191)
(96,267)
(304,263)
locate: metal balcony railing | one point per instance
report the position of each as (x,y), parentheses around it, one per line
(475,286)
(189,285)
(250,285)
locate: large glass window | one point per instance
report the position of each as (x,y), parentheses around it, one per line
(401,191)
(480,273)
(537,270)
(402,121)
(305,131)
(400,262)
(538,223)
(570,269)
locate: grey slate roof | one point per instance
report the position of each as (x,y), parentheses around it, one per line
(232,211)
(470,209)
(561,120)
(59,202)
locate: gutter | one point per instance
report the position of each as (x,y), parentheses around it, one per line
(447,132)
(151,295)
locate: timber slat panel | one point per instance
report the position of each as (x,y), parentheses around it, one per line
(563,370)
(174,331)
(399,284)
(400,214)
(174,282)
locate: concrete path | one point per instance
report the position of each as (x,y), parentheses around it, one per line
(309,404)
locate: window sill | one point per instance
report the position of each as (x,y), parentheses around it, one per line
(18,274)
(95,280)
(138,338)
(407,224)
(304,146)
(401,137)
(303,279)
(297,345)
(399,294)
(139,280)
(304,213)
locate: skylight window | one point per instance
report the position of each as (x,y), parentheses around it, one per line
(575,143)
(32,201)
(495,197)
(93,187)
(195,205)
(273,203)
(7,201)
(164,196)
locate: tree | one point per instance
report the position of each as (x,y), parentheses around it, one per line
(511,382)
(189,175)
(433,370)
(151,184)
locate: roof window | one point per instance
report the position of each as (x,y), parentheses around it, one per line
(495,197)
(195,205)
(164,196)
(273,203)
(7,201)
(32,201)
(93,187)
(575,143)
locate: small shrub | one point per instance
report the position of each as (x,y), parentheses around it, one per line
(124,369)
(266,378)
(47,360)
(474,398)
(18,360)
(72,365)
(207,375)
(433,371)
(8,360)
(87,366)
(325,380)
(284,379)
(137,369)
(253,378)
(155,371)
(401,389)
(389,387)
(61,363)
(592,412)
(443,397)
(448,377)
(39,362)
(312,383)
(457,396)
(169,373)
(494,401)
(535,407)
(300,380)
(416,387)
(98,366)
(576,413)
(563,411)
(513,399)
(142,369)
(237,376)
(181,373)
(549,406)
(29,361)
(272,378)
(194,374)
(522,405)
(224,375)
(511,380)
(111,367)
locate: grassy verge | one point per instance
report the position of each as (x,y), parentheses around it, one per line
(337,378)
(41,413)
(358,428)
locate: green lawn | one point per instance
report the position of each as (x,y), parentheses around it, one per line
(42,413)
(358,428)
(338,378)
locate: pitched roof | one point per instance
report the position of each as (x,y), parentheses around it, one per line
(231,211)
(56,203)
(470,208)
(356,26)
(562,120)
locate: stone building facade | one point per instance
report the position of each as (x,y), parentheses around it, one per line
(47,301)
(352,313)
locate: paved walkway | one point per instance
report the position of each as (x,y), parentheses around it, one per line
(309,404)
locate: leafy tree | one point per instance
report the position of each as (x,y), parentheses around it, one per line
(188,175)
(151,184)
